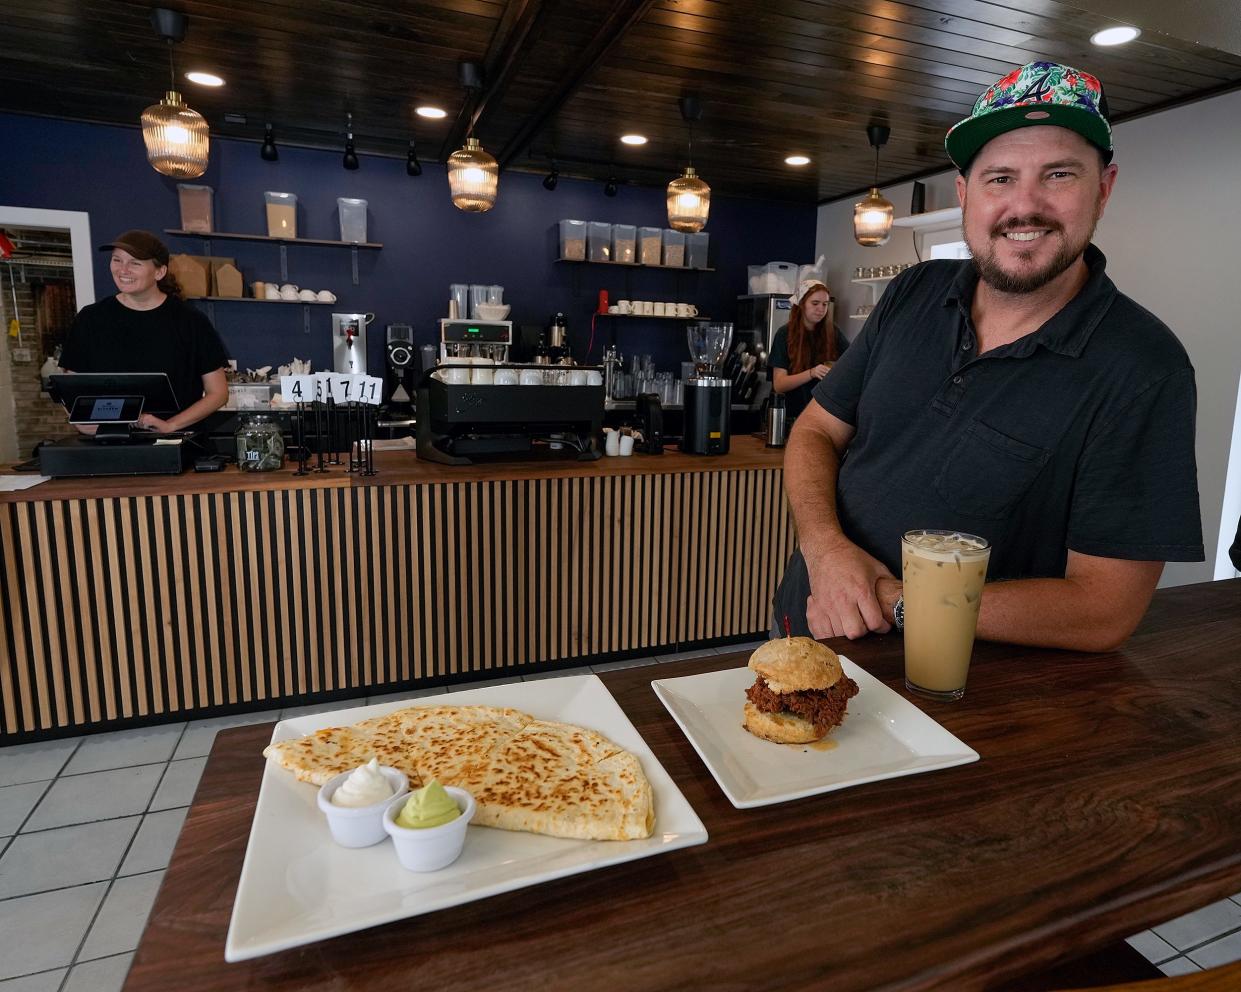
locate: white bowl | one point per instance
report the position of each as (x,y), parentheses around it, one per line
(430,848)
(359,826)
(493,311)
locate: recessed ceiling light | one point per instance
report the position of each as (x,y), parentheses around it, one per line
(434,113)
(204,78)
(1114,36)
(633,139)
(797,160)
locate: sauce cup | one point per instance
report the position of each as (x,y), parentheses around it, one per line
(359,826)
(430,848)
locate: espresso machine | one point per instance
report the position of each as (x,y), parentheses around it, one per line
(400,369)
(708,395)
(349,342)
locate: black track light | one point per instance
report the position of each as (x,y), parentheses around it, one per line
(550,180)
(350,161)
(609,188)
(269,152)
(412,166)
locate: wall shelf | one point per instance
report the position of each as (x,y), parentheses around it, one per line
(251,299)
(648,316)
(319,242)
(934,220)
(633,265)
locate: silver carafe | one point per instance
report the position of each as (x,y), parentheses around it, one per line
(776,430)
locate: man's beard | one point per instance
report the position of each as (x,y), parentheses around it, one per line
(1027,281)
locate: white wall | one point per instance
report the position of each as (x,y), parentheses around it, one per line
(1172,236)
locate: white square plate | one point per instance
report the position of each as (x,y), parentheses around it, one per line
(883,736)
(297,886)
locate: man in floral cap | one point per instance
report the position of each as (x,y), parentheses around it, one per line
(1017,395)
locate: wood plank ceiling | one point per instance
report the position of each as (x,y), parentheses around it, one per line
(564,79)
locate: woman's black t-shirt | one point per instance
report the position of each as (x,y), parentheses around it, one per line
(795,400)
(174,338)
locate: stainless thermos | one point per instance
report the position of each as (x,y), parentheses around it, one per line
(777,424)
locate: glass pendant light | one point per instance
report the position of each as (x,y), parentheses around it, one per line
(872,217)
(473,178)
(175,136)
(689,198)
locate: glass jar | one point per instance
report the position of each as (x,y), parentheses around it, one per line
(260,444)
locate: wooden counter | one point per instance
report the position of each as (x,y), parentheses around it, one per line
(129,600)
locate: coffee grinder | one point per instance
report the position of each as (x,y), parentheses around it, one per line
(708,395)
(558,341)
(349,342)
(400,371)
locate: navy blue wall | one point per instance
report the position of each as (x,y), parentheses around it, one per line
(428,243)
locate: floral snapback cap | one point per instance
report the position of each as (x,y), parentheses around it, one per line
(1037,93)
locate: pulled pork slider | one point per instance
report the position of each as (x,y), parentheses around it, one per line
(800,693)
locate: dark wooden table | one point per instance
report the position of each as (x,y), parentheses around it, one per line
(1108,799)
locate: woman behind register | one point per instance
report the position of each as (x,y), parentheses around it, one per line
(147,327)
(803,351)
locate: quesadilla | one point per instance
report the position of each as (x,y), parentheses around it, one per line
(525,774)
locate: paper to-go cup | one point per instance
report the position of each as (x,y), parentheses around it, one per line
(359,826)
(430,848)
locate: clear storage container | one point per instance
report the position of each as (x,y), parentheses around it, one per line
(573,240)
(624,243)
(696,250)
(260,445)
(773,278)
(650,245)
(674,248)
(599,241)
(352,219)
(196,207)
(281,214)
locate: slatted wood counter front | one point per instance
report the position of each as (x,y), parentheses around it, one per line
(127,600)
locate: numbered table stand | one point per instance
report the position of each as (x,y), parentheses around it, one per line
(342,407)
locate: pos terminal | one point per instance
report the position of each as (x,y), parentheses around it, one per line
(113,402)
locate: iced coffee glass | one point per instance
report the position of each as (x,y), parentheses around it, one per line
(943,573)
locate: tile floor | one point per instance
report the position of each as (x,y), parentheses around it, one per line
(87,828)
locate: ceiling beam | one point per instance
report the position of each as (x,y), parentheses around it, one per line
(623,16)
(500,65)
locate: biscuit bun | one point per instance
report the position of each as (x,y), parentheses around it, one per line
(780,728)
(795,664)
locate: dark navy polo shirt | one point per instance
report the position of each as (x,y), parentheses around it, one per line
(1078,436)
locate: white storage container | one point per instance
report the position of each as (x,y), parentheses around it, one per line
(196,207)
(281,214)
(573,240)
(624,243)
(650,245)
(696,250)
(674,248)
(773,278)
(352,219)
(599,241)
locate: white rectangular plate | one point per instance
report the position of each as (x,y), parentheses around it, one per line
(297,886)
(883,736)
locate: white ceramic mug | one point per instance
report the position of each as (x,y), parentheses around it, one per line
(506,377)
(660,309)
(577,377)
(288,291)
(624,306)
(646,307)
(626,445)
(458,375)
(271,291)
(483,375)
(682,309)
(693,310)
(594,378)
(531,377)
(614,310)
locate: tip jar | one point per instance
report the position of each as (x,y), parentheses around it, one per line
(260,444)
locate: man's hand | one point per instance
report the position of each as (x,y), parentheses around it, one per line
(888,591)
(842,599)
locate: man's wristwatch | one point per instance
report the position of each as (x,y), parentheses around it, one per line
(898,612)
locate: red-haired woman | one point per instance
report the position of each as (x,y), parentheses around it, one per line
(805,348)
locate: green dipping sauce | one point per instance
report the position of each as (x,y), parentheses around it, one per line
(429,806)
